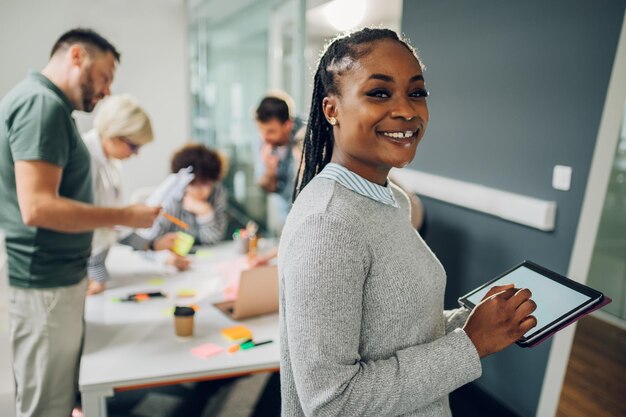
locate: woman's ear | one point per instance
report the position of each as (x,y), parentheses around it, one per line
(329,107)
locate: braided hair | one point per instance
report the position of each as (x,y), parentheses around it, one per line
(337,58)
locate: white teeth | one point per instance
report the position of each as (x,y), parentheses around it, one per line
(399,135)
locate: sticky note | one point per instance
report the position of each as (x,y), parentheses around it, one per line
(183,243)
(186,293)
(207,350)
(156,281)
(237,332)
(204,253)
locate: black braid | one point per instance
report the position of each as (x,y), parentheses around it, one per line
(337,58)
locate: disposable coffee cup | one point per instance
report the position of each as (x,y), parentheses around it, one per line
(183,321)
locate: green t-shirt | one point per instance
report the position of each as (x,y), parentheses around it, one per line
(37,124)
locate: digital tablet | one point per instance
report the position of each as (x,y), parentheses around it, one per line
(560,301)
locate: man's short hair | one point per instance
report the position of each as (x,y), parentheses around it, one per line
(86,37)
(272,107)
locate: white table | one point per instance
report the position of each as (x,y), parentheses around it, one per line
(132,345)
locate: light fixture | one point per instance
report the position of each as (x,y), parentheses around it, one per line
(345,14)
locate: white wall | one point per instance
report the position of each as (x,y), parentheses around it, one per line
(151,36)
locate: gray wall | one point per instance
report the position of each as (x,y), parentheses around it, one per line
(516,88)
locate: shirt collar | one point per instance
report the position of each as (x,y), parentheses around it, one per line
(52,86)
(93,142)
(358,184)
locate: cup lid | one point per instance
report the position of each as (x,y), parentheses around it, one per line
(184,311)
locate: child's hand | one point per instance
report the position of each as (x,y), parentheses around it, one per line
(195,206)
(180,262)
(165,242)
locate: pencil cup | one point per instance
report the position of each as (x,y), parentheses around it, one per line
(183,321)
(245,244)
(183,243)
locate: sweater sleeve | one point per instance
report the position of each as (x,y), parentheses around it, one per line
(324,267)
(455,319)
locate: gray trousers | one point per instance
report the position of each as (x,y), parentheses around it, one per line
(47,330)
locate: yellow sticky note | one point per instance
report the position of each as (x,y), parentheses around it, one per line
(186,293)
(237,332)
(182,243)
(156,281)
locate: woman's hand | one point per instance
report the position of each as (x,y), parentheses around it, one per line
(500,319)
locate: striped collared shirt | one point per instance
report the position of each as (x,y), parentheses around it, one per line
(358,184)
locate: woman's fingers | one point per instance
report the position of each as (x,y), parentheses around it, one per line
(527,324)
(497,289)
(519,297)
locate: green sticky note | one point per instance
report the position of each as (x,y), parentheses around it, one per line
(156,281)
(167,312)
(116,300)
(204,253)
(183,243)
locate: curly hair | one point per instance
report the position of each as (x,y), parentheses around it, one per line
(207,164)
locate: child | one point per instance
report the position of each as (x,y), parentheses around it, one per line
(203,206)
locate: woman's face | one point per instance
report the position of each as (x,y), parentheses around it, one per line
(120,148)
(381,111)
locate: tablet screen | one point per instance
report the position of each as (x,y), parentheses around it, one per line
(553,299)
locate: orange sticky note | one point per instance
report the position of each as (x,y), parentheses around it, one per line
(237,332)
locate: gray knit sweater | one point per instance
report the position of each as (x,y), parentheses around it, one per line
(362,326)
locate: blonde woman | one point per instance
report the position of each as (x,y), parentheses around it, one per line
(121,128)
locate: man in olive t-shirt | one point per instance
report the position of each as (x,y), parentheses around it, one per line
(45,189)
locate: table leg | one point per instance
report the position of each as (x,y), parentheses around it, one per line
(94,402)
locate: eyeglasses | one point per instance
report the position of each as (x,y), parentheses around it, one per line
(134,148)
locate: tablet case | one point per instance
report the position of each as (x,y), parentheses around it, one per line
(605,300)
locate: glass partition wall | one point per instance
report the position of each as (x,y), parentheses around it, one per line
(235,52)
(240,49)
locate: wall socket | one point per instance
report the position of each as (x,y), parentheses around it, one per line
(562,177)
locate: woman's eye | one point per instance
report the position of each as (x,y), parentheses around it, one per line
(378,93)
(421,93)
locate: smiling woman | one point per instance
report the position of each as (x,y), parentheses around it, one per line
(363,330)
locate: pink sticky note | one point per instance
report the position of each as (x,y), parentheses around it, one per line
(207,350)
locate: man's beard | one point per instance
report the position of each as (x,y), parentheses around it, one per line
(86,88)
